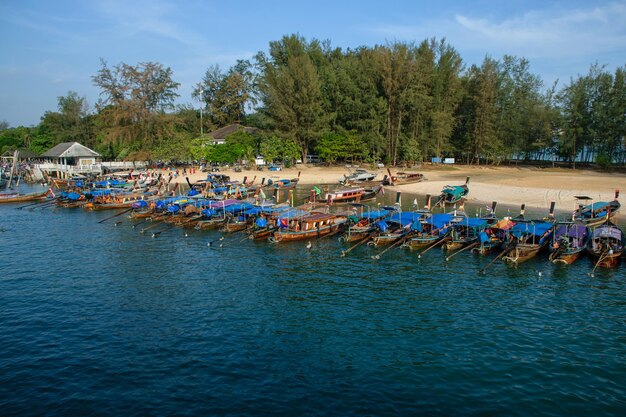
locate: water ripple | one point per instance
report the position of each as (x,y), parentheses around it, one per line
(102,320)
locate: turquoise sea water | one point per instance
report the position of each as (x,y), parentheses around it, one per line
(97,319)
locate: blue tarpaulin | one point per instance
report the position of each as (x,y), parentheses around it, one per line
(472,222)
(439,220)
(537,229)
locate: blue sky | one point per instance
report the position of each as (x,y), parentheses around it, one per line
(51,47)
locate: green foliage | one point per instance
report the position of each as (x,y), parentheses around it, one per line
(399,102)
(178,148)
(12,139)
(290,88)
(274,148)
(335,146)
(225,95)
(603,161)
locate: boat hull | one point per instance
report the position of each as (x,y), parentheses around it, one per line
(289,236)
(16,198)
(565,258)
(522,253)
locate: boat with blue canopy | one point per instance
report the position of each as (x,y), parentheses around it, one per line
(568,242)
(453,194)
(396,226)
(360,225)
(527,239)
(595,213)
(606,245)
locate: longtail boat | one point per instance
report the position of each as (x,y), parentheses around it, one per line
(453,194)
(313,225)
(433,228)
(396,226)
(268,220)
(361,226)
(237,219)
(20,198)
(595,214)
(493,237)
(402,178)
(113,202)
(606,245)
(344,195)
(463,232)
(528,238)
(214,215)
(568,242)
(284,183)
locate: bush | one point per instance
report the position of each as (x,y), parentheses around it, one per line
(603,161)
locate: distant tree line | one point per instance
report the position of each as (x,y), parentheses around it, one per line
(401,103)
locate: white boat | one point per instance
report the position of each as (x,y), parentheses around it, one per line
(359,175)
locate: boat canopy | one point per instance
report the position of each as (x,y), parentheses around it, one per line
(504,224)
(472,222)
(439,220)
(235,208)
(293,214)
(537,229)
(222,204)
(454,190)
(607,232)
(99,193)
(572,230)
(73,196)
(405,218)
(208,212)
(375,214)
(139,204)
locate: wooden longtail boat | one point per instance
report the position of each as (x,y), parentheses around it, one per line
(606,245)
(433,228)
(311,226)
(463,232)
(595,214)
(21,198)
(360,226)
(528,238)
(396,226)
(268,219)
(492,238)
(284,183)
(344,195)
(113,203)
(568,242)
(453,194)
(402,178)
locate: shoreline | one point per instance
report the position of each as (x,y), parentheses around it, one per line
(509,186)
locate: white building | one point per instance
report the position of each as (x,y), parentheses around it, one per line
(70,158)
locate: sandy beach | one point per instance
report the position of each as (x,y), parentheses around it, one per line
(535,187)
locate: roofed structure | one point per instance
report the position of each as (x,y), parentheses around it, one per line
(219,135)
(70,150)
(22,154)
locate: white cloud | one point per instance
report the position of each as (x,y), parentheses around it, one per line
(544,34)
(536,33)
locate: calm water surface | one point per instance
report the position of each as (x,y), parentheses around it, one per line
(97,319)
